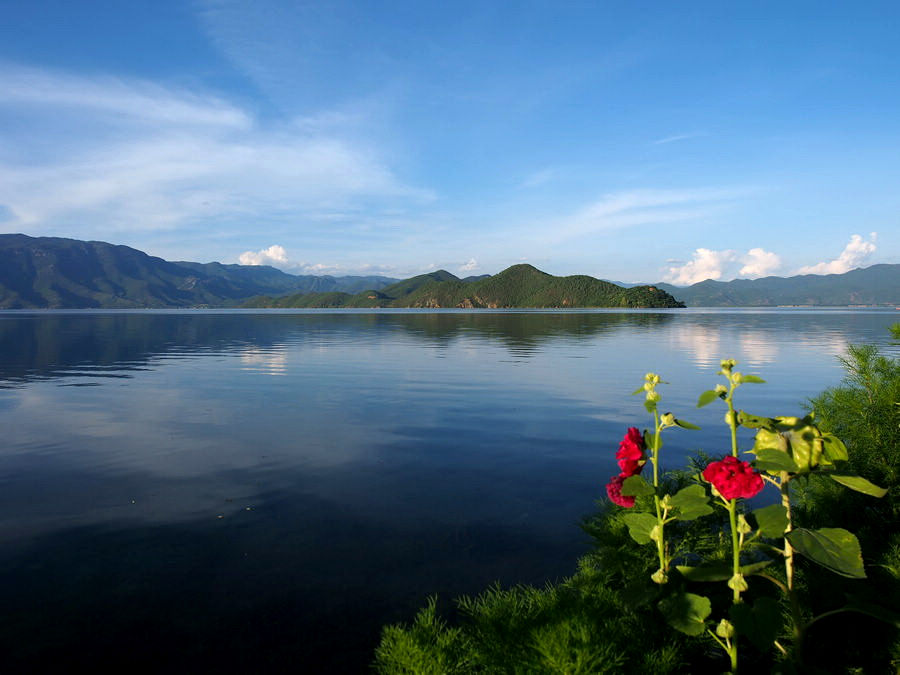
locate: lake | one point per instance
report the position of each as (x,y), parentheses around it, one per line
(239,491)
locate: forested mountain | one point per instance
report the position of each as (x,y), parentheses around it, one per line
(52,272)
(875,285)
(517,286)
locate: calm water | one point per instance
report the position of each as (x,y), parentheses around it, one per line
(241,492)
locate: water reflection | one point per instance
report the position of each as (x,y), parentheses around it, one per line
(272,361)
(115,345)
(53,345)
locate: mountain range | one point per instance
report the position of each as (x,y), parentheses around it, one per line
(875,285)
(51,272)
(518,286)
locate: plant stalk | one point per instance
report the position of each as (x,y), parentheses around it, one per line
(732,422)
(796,615)
(660,542)
(735,546)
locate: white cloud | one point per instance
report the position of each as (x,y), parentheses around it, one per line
(470,266)
(759,263)
(277,256)
(706,264)
(274,255)
(855,253)
(710,264)
(132,155)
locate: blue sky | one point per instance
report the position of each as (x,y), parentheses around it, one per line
(631,141)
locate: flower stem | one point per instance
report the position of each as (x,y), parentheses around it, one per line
(735,546)
(730,648)
(732,422)
(796,615)
(660,517)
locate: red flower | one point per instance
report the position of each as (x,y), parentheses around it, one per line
(631,454)
(614,490)
(733,478)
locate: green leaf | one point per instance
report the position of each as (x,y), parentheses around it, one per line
(875,611)
(859,484)
(640,390)
(806,447)
(832,547)
(767,439)
(760,622)
(719,571)
(650,406)
(774,461)
(834,449)
(753,568)
(640,525)
(771,520)
(712,572)
(635,486)
(686,425)
(707,397)
(745,419)
(752,379)
(691,502)
(650,441)
(686,612)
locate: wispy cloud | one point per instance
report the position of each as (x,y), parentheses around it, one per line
(171,158)
(855,253)
(636,208)
(134,100)
(538,178)
(678,137)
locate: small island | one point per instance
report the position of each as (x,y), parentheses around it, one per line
(519,286)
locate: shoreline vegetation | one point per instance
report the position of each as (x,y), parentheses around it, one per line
(821,610)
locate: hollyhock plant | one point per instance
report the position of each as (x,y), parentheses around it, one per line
(785,448)
(733,478)
(630,455)
(614,491)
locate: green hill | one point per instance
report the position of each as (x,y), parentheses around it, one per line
(517,286)
(406,287)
